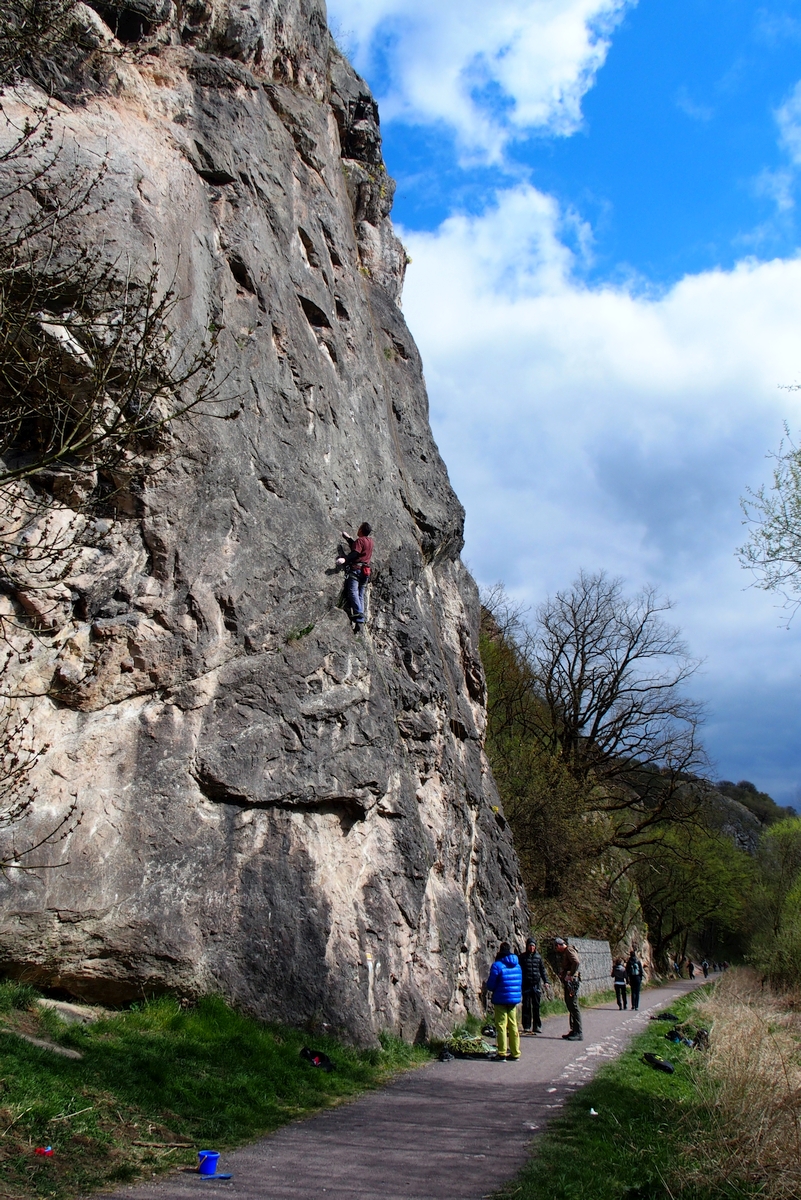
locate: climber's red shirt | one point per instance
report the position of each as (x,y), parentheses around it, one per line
(362,551)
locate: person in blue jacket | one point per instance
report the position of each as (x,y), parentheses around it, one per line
(505,986)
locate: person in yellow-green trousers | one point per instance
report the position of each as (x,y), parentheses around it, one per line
(505,986)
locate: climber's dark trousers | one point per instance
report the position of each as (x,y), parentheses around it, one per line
(355,587)
(531,1011)
(573,1010)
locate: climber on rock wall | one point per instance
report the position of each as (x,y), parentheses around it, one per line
(357,564)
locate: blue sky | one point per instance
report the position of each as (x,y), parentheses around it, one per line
(676,163)
(600,201)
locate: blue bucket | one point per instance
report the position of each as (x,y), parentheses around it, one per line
(207,1161)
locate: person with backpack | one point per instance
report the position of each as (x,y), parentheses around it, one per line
(567,968)
(691,969)
(535,977)
(505,986)
(357,566)
(618,974)
(705,968)
(635,976)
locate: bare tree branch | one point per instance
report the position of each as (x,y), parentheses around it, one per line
(772,551)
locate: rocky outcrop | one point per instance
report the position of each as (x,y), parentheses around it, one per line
(268,805)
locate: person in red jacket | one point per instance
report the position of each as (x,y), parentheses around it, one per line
(357,563)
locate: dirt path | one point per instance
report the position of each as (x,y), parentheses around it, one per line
(449,1131)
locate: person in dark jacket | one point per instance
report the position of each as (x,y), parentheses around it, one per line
(618,973)
(567,966)
(505,986)
(635,976)
(357,564)
(535,978)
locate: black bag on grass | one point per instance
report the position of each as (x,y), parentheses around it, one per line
(659,1064)
(317,1059)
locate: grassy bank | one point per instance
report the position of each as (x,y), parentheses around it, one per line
(151,1077)
(646,1141)
(751,1084)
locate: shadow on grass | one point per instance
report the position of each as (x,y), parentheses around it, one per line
(160,1074)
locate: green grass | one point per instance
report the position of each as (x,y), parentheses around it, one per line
(633,1149)
(206,1075)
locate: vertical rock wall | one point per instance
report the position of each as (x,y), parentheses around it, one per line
(269,806)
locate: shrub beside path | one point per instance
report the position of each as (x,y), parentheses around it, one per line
(448,1131)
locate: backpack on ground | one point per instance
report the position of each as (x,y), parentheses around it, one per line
(659,1064)
(316,1058)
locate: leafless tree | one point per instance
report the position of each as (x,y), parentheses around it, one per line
(92,372)
(773,513)
(601,691)
(30,31)
(18,756)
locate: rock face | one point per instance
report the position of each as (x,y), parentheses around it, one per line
(269,806)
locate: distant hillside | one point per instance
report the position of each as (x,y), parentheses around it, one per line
(763,806)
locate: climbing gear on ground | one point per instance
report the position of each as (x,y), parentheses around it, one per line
(317,1059)
(659,1064)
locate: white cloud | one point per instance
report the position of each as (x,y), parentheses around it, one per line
(778,186)
(489,71)
(788,117)
(691,108)
(597,427)
(775,28)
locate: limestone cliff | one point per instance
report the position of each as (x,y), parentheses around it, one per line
(269,806)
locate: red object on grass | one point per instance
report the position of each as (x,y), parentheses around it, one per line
(45,1151)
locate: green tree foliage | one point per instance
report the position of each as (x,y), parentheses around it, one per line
(693,880)
(763,806)
(775,907)
(546,807)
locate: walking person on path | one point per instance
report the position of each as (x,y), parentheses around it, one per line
(691,969)
(618,973)
(705,968)
(567,967)
(635,976)
(357,564)
(535,978)
(505,986)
